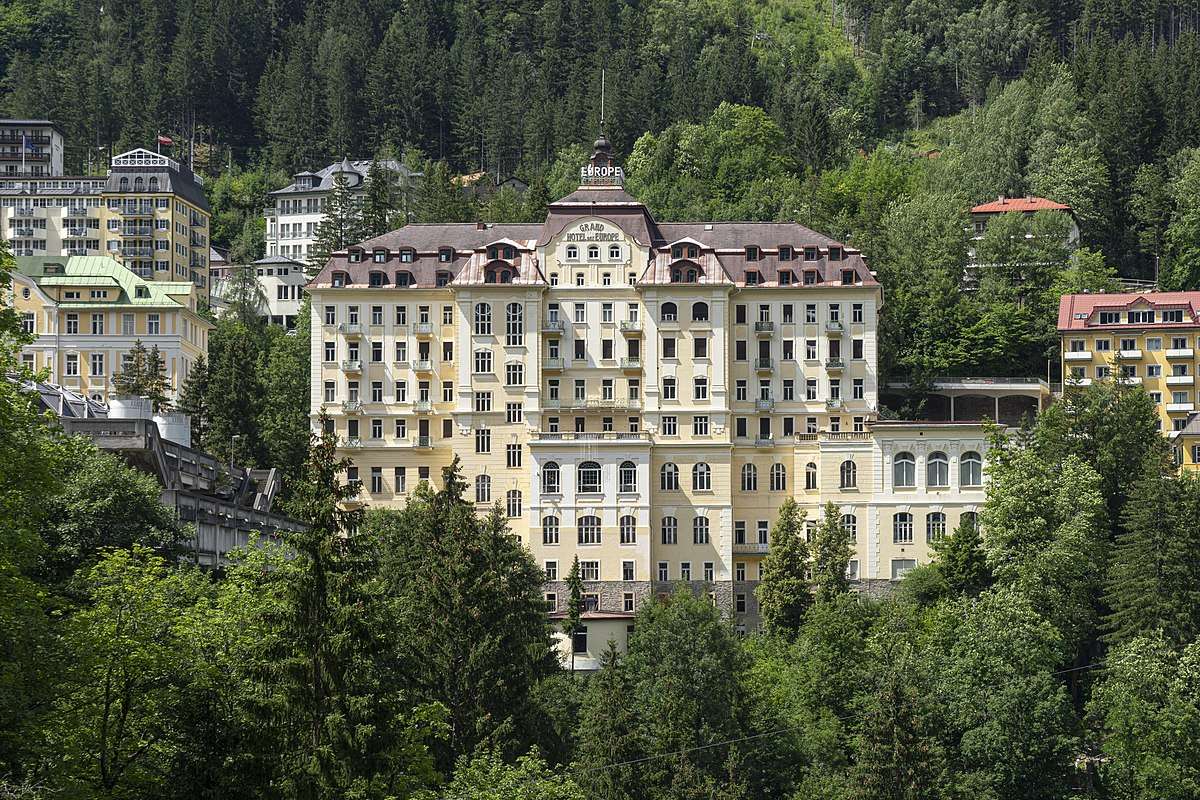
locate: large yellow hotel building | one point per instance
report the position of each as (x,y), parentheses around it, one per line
(643,395)
(1144,338)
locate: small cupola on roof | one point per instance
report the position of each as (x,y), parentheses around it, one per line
(601,170)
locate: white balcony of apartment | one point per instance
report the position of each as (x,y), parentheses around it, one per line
(1077,355)
(1181,352)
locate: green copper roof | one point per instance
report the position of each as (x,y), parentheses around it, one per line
(101,271)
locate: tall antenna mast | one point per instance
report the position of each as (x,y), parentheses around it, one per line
(602,99)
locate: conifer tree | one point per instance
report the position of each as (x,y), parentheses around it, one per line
(962,561)
(341,226)
(131,378)
(245,295)
(1153,582)
(144,374)
(156,382)
(574,620)
(439,199)
(608,731)
(785,593)
(379,203)
(193,399)
(831,557)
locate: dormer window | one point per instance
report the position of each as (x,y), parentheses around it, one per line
(445,255)
(753,278)
(501,251)
(406,256)
(141,291)
(572,253)
(785,252)
(443,278)
(810,277)
(684,251)
(380,255)
(835,253)
(404,278)
(355,256)
(848,277)
(54,269)
(1141,316)
(1110,317)
(1172,315)
(340,279)
(811,254)
(786,277)
(593,252)
(376,279)
(752,253)
(153,183)
(498,276)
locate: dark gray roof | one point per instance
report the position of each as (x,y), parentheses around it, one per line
(276,259)
(62,402)
(177,181)
(358,168)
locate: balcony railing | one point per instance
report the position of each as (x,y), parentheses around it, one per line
(351,365)
(834,326)
(136,230)
(764,364)
(352,406)
(353,443)
(764,404)
(631,363)
(350,329)
(624,404)
(751,548)
(591,436)
(423,329)
(834,363)
(140,211)
(764,327)
(424,442)
(833,402)
(423,406)
(76,233)
(423,365)
(137,252)
(553,326)
(631,326)
(23,232)
(766,441)
(552,364)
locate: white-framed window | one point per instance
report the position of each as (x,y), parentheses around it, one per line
(627,526)
(483,362)
(778,478)
(514,374)
(483,440)
(512,503)
(551,478)
(590,570)
(483,319)
(627,477)
(935,526)
(902,528)
(588,478)
(970,469)
(550,530)
(700,530)
(589,531)
(937,470)
(668,478)
(904,471)
(701,477)
(849,524)
(514,324)
(483,489)
(848,474)
(810,476)
(670,530)
(749,478)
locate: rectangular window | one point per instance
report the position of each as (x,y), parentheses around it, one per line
(512,454)
(700,425)
(97,364)
(483,440)
(589,570)
(670,426)
(685,570)
(513,413)
(627,571)
(664,570)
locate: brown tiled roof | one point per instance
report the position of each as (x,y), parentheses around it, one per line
(1075,311)
(1003,205)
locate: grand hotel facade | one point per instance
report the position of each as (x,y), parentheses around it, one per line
(641,395)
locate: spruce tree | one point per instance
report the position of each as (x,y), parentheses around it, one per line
(608,731)
(245,295)
(157,384)
(131,378)
(961,560)
(380,201)
(341,226)
(831,557)
(193,399)
(439,198)
(144,374)
(574,620)
(1153,584)
(785,593)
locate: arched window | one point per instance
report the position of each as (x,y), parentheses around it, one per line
(124,184)
(937,470)
(614,252)
(935,526)
(587,476)
(483,489)
(593,252)
(376,278)
(749,478)
(700,530)
(153,183)
(514,324)
(692,275)
(551,478)
(512,503)
(139,184)
(701,477)
(572,252)
(627,477)
(700,312)
(850,526)
(810,476)
(668,478)
(778,478)
(669,312)
(904,471)
(970,469)
(550,530)
(849,475)
(589,529)
(483,319)
(969,518)
(902,528)
(628,529)
(670,530)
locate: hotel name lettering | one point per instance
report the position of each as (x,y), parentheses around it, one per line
(594,232)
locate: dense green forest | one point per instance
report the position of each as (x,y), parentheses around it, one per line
(1051,652)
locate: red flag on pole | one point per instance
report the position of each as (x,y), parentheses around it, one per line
(165,139)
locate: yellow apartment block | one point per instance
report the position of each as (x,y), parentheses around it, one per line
(87,312)
(641,394)
(1146,338)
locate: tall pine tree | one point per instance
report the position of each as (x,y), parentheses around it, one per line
(785,593)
